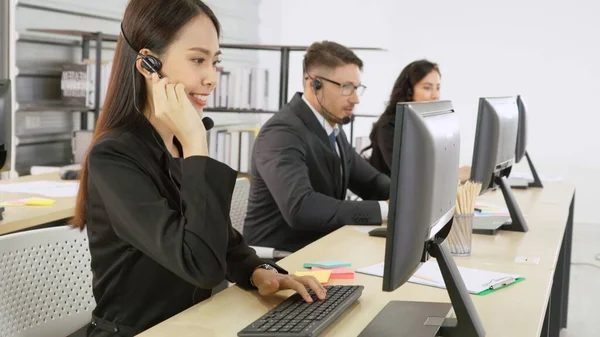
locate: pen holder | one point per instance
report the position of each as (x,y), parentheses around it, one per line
(459,238)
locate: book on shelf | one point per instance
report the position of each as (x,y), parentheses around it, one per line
(241,89)
(232,145)
(78,83)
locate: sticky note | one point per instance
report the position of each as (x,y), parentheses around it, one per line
(30,202)
(321,275)
(341,273)
(327,264)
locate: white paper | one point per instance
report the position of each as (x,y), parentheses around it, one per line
(529,177)
(375,270)
(476,280)
(52,189)
(365,229)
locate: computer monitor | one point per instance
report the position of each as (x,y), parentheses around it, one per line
(424,180)
(494,152)
(521,148)
(5,123)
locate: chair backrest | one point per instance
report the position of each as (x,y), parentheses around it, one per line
(239,203)
(45,282)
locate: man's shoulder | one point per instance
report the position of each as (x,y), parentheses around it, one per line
(285,121)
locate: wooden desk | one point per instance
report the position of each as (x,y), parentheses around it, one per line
(518,310)
(17,218)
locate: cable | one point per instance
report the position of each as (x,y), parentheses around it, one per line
(597,258)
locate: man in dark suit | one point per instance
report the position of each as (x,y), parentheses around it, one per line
(302,162)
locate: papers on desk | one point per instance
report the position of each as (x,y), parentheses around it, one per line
(488,209)
(529,177)
(52,189)
(477,281)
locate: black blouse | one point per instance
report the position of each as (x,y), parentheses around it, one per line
(159,231)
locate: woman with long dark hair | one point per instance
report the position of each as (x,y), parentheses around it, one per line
(418,82)
(155,206)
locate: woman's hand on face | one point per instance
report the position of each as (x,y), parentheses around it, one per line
(174,109)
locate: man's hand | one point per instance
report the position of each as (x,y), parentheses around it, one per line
(269,282)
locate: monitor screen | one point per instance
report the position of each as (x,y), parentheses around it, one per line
(423,187)
(495,139)
(522,130)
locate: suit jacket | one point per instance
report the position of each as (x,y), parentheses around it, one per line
(297,188)
(382,144)
(159,231)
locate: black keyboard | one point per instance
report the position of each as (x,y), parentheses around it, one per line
(295,317)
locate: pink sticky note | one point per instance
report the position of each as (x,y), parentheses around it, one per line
(341,273)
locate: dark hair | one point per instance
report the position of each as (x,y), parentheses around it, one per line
(330,55)
(151,24)
(403,91)
(406,81)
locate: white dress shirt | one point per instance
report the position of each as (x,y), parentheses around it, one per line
(383,205)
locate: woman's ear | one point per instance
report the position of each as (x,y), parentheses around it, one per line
(138,64)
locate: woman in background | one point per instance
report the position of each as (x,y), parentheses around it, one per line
(418,82)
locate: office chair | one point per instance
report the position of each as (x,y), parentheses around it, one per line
(46,286)
(239,207)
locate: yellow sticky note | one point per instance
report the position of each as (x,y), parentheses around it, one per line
(321,275)
(29,202)
(39,202)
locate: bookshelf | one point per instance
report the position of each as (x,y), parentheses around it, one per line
(232,143)
(99,38)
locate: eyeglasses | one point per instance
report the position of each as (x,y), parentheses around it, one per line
(347,88)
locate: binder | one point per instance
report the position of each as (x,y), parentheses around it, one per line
(477,281)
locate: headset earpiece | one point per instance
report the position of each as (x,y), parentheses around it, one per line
(409,93)
(151,63)
(316,84)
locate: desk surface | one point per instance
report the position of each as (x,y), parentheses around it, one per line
(517,310)
(22,217)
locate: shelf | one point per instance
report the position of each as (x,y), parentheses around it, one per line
(50,106)
(99,37)
(77,33)
(243,111)
(369,116)
(281,47)
(113,38)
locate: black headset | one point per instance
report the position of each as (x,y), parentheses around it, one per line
(317,85)
(153,65)
(149,62)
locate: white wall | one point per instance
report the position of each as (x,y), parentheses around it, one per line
(545,51)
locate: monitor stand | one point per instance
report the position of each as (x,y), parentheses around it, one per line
(517,222)
(429,319)
(537,182)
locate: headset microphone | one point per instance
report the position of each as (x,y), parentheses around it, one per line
(208,123)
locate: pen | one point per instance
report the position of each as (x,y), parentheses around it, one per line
(500,283)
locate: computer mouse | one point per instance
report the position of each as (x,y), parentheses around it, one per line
(378,232)
(70,175)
